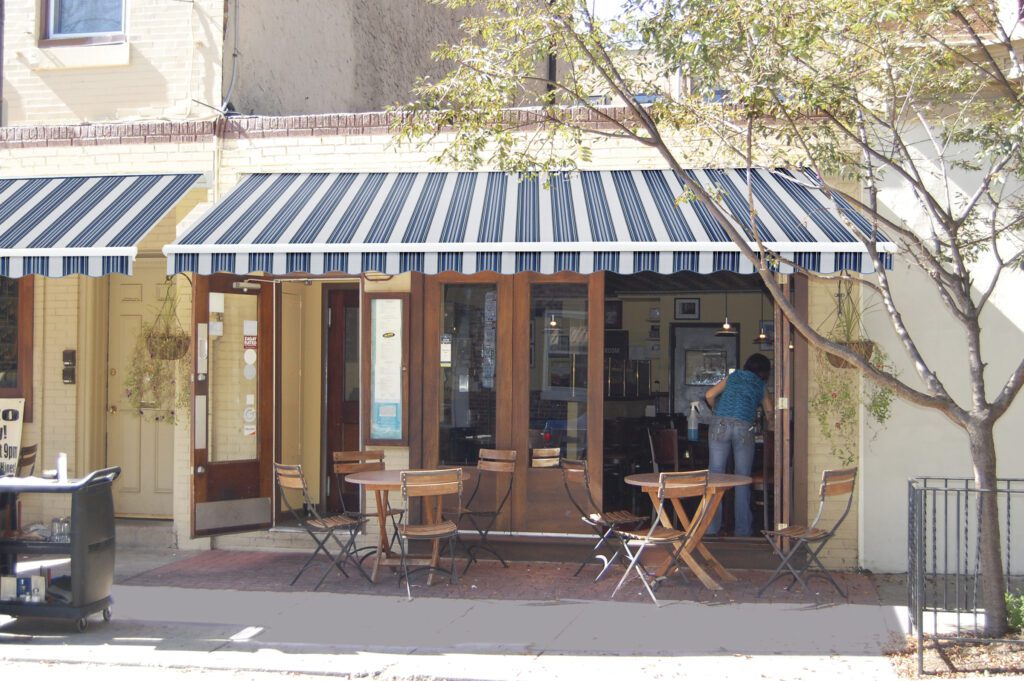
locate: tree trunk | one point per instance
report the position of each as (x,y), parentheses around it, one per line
(993,581)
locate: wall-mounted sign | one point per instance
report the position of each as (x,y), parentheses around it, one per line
(11,411)
(446,350)
(386,369)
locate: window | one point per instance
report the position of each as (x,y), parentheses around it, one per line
(83,21)
(16,340)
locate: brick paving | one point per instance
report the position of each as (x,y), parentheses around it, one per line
(532,581)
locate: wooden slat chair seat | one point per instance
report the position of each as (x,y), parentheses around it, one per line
(670,486)
(496,464)
(576,476)
(321,528)
(430,486)
(26,461)
(808,541)
(348,462)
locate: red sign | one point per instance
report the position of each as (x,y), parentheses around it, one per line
(249,342)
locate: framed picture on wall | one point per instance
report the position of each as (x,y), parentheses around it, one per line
(687,308)
(613,314)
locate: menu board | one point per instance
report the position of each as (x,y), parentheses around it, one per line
(386,374)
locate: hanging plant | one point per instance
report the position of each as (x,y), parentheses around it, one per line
(847,327)
(161,361)
(839,395)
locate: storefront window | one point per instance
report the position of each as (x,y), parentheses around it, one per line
(558,368)
(469,322)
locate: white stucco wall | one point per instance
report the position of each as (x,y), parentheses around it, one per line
(307,56)
(920,442)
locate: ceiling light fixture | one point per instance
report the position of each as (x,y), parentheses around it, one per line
(727,328)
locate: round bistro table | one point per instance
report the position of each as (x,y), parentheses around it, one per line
(718,484)
(382,483)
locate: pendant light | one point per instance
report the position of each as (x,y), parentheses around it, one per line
(553,323)
(762,337)
(727,328)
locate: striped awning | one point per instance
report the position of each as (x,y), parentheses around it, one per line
(621,221)
(56,226)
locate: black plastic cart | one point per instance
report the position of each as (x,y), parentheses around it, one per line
(91,546)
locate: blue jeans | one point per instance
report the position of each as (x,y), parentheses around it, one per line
(736,437)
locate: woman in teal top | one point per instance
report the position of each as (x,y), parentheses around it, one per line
(734,400)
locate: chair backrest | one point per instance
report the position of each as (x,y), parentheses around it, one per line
(357,462)
(665,448)
(576,475)
(545,457)
(431,483)
(346,463)
(289,477)
(497,460)
(837,482)
(682,485)
(27,461)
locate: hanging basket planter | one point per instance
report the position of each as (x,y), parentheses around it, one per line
(167,345)
(864,348)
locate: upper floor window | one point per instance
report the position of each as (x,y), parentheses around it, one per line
(83,21)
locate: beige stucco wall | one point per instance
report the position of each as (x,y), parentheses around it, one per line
(305,56)
(172,57)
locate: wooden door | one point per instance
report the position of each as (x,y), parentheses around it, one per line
(342,391)
(140,441)
(233,419)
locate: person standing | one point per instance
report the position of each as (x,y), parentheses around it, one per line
(734,401)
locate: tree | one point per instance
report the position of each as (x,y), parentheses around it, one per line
(901,91)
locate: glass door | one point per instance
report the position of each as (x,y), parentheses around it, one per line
(468,366)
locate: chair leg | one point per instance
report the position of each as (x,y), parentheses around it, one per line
(636,565)
(786,564)
(812,557)
(405,566)
(453,576)
(320,547)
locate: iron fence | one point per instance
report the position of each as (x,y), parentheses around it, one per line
(943,563)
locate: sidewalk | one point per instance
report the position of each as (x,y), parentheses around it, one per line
(384,636)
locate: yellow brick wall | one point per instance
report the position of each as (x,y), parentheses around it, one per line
(842,551)
(173,56)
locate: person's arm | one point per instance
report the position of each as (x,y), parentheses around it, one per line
(714,391)
(769,410)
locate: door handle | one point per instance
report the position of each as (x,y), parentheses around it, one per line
(112,409)
(200,470)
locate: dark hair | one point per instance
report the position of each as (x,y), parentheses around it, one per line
(759,364)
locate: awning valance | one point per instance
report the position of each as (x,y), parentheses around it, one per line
(56,226)
(622,221)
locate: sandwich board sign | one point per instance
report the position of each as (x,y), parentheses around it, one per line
(11,410)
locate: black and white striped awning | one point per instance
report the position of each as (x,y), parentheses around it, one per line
(621,221)
(56,226)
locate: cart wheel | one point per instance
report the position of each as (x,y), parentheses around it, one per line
(81,624)
(107,614)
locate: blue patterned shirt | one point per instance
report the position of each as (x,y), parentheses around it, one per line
(744,390)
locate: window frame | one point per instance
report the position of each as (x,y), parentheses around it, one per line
(26,306)
(47,38)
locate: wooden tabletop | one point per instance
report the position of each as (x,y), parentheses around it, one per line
(714,480)
(389,480)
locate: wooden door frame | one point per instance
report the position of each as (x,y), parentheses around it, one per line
(325,332)
(432,359)
(267,413)
(522,282)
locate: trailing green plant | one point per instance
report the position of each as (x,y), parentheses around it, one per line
(158,381)
(1015,612)
(837,399)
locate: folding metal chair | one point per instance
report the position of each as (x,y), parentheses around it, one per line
(432,486)
(320,528)
(346,463)
(493,463)
(809,541)
(603,523)
(661,532)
